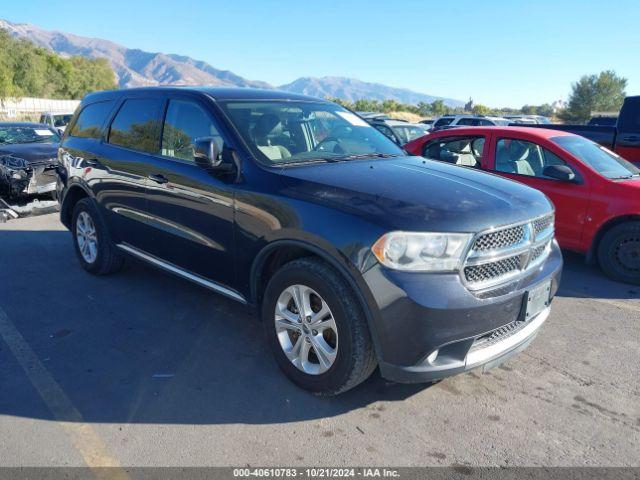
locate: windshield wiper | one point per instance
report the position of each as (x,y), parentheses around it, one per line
(357,156)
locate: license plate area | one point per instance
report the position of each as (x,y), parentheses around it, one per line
(538,299)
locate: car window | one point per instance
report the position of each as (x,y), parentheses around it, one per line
(386,130)
(602,160)
(293,132)
(464,151)
(444,121)
(524,158)
(469,122)
(135,126)
(184,123)
(629,120)
(406,133)
(90,120)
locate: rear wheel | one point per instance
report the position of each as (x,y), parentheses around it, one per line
(93,246)
(619,252)
(316,328)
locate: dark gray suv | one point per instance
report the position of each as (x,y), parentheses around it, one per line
(355,254)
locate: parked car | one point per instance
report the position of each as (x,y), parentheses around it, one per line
(596,193)
(399,131)
(58,121)
(528,119)
(622,138)
(428,122)
(449,121)
(354,253)
(28,159)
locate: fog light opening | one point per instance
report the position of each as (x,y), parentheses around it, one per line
(432,356)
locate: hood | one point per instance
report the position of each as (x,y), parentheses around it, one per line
(31,152)
(411,193)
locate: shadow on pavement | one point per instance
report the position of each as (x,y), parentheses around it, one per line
(144,347)
(582,280)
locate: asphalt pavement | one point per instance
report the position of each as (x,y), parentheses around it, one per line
(144,369)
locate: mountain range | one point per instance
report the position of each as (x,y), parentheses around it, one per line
(135,68)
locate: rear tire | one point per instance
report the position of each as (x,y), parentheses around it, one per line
(619,253)
(345,355)
(94,248)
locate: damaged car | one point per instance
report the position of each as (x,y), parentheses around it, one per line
(28,159)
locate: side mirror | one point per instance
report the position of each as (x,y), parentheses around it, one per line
(559,172)
(208,156)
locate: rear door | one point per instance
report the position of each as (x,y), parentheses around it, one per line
(523,160)
(628,139)
(190,209)
(120,171)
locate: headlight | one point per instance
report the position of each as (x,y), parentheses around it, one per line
(422,252)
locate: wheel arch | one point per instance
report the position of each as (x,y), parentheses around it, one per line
(592,253)
(279,252)
(74,193)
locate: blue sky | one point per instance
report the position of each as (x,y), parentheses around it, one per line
(501,53)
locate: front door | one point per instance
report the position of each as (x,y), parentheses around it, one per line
(190,209)
(524,161)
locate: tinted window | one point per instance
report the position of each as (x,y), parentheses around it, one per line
(136,125)
(184,123)
(469,121)
(441,122)
(464,151)
(91,119)
(629,121)
(524,158)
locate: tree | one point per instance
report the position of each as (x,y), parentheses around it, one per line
(28,70)
(603,92)
(468,107)
(438,108)
(480,109)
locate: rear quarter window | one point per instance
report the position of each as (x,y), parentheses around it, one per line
(90,120)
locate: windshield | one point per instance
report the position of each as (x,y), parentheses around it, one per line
(13,135)
(287,132)
(602,160)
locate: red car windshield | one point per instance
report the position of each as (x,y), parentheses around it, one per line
(602,160)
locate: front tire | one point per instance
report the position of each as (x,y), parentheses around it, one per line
(619,253)
(316,328)
(91,240)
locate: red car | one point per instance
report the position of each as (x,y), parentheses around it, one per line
(596,193)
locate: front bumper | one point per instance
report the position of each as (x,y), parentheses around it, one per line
(20,178)
(417,314)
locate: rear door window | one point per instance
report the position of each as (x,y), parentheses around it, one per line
(91,119)
(463,151)
(136,125)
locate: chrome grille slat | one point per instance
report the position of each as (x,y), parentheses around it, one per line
(499,239)
(502,254)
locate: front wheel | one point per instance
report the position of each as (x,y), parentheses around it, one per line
(316,328)
(619,253)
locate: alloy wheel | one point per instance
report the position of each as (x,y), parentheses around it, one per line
(87,237)
(306,329)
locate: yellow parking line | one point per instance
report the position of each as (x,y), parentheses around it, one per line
(83,437)
(627,305)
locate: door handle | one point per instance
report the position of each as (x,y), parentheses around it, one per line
(158,178)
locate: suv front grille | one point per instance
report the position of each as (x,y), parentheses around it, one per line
(499,239)
(480,273)
(508,253)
